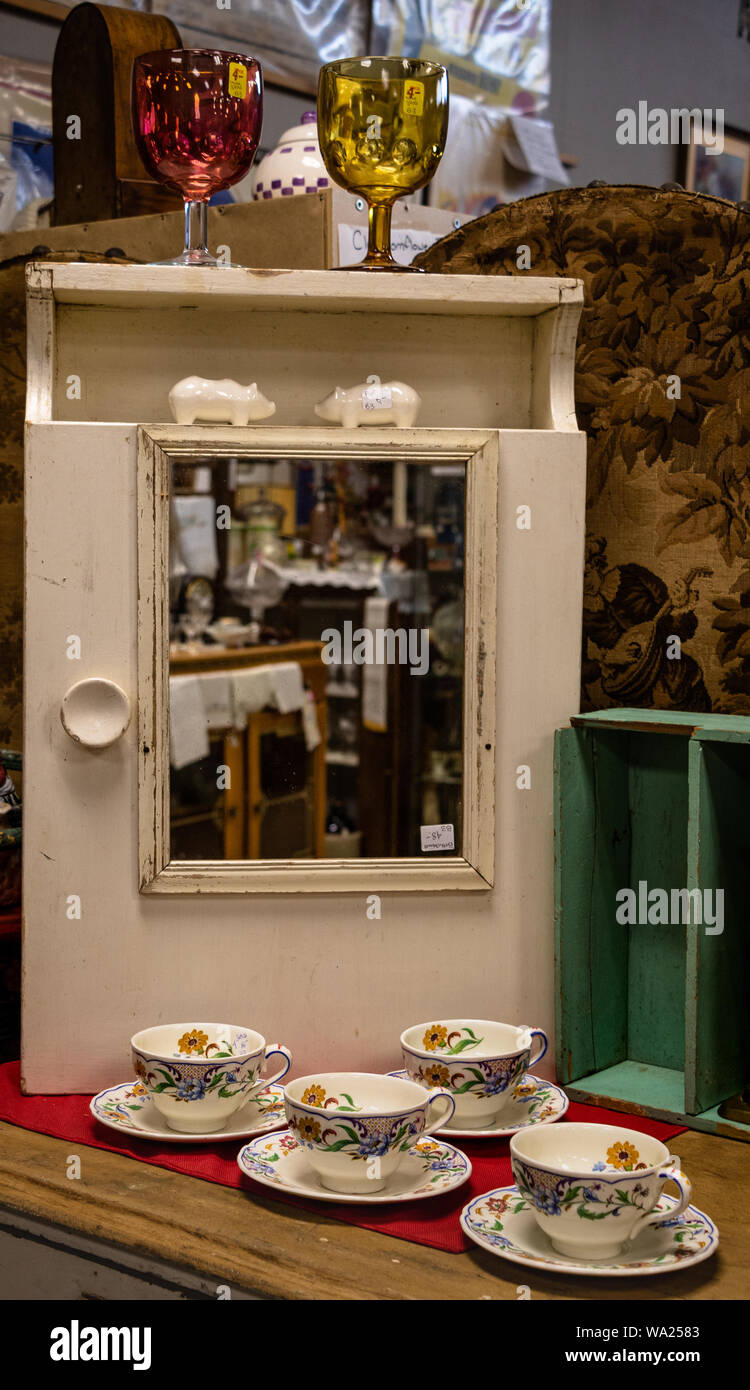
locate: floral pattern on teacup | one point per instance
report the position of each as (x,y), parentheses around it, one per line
(553,1195)
(479,1079)
(435,1074)
(194,1043)
(360,1139)
(438,1039)
(316,1095)
(186,1081)
(621,1157)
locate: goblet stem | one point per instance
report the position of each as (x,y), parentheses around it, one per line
(196,234)
(379,238)
(379,241)
(196,226)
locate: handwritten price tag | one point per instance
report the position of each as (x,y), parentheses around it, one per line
(436,837)
(377,398)
(237,80)
(413,99)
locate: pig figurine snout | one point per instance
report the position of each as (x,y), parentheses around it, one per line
(219,402)
(371,403)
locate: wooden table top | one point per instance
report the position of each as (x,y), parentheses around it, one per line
(213,657)
(272,1250)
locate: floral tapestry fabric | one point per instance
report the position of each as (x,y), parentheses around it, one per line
(663,394)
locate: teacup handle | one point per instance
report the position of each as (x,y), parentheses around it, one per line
(437,1094)
(537,1033)
(282,1051)
(671,1170)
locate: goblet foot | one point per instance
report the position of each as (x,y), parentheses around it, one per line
(193,257)
(196,252)
(383,265)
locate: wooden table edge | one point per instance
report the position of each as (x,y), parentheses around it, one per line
(283,1252)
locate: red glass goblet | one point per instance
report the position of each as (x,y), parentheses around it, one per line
(197,115)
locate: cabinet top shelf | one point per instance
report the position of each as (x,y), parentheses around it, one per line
(332,291)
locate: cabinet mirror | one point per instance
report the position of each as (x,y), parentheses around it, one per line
(316,662)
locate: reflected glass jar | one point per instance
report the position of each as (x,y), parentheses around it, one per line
(263,520)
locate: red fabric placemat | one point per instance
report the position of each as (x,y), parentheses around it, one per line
(433,1223)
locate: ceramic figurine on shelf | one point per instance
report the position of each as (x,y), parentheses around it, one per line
(220,402)
(372,403)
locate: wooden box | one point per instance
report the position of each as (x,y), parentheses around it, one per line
(652,1015)
(98,172)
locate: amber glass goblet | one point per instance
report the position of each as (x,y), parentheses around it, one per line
(382,124)
(197,116)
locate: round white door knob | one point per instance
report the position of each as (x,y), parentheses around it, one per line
(95,712)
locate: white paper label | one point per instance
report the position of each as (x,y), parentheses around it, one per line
(437,837)
(533,147)
(374,677)
(188,736)
(377,398)
(195,530)
(406,242)
(310,726)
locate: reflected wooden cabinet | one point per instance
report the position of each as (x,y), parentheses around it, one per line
(267,799)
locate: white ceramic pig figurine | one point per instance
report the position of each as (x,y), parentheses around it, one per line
(221,402)
(389,403)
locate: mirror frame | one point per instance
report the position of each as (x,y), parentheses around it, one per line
(473,868)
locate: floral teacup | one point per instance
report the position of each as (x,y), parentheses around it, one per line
(481,1063)
(356,1127)
(198,1074)
(593,1188)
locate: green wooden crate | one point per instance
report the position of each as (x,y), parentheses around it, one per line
(653,1017)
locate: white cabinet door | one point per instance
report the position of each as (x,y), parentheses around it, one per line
(314,972)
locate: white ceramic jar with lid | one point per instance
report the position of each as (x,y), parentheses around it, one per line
(294,166)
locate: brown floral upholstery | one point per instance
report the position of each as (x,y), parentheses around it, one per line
(663,393)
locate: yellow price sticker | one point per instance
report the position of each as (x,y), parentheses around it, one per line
(237,80)
(413,99)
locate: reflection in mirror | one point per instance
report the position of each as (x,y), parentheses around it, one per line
(316,658)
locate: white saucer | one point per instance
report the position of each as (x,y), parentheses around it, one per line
(128,1109)
(429,1170)
(540,1103)
(503,1223)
